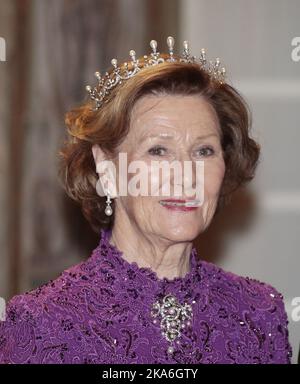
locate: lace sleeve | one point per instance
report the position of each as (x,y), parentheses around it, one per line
(278,333)
(17,339)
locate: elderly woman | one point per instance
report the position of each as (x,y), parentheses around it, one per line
(144,296)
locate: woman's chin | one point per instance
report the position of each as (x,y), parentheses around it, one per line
(181,231)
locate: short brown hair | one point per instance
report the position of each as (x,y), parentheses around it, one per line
(108,127)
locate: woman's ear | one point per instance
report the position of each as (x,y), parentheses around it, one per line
(98,154)
(106,171)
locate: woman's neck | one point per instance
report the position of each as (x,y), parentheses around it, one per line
(166,258)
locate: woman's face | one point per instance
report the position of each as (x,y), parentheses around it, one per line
(168,128)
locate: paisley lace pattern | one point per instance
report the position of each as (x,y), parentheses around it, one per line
(99,312)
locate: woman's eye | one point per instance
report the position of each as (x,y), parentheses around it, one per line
(157,151)
(206,151)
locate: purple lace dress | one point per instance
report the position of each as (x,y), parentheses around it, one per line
(101,311)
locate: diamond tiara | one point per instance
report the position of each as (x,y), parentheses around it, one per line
(118,74)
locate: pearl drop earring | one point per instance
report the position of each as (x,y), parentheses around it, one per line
(108,210)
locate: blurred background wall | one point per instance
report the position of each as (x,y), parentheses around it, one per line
(53,49)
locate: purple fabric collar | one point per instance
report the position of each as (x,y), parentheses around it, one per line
(144,279)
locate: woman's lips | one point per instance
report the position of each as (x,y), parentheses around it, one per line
(180,204)
(183,209)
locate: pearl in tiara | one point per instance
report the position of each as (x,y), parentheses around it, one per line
(118,74)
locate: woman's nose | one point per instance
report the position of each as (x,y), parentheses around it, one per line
(186,168)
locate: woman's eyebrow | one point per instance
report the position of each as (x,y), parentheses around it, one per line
(207,135)
(158,135)
(170,136)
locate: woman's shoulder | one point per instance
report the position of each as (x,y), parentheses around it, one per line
(35,317)
(37,299)
(245,286)
(260,304)
(253,305)
(250,295)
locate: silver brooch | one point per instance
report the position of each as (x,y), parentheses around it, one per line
(174,317)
